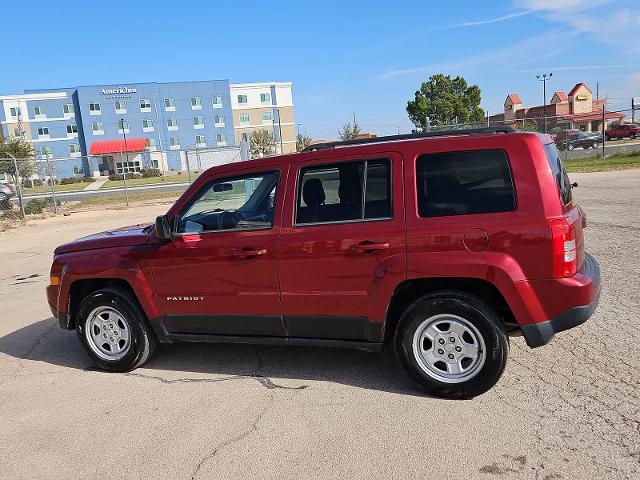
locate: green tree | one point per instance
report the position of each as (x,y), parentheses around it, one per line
(442,99)
(349,131)
(23,152)
(302,141)
(262,143)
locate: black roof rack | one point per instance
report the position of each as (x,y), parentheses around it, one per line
(409,136)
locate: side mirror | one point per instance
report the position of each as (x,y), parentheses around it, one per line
(223,187)
(163,229)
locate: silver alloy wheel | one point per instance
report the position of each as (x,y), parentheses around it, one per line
(107,333)
(449,348)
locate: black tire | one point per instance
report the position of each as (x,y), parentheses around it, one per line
(570,147)
(632,136)
(142,339)
(473,311)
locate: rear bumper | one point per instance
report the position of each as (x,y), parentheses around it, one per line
(538,334)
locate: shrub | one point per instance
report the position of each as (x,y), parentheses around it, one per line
(88,179)
(118,177)
(52,180)
(37,206)
(70,180)
(27,183)
(151,172)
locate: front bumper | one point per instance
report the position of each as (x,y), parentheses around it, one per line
(538,334)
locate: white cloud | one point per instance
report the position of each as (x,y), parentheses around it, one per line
(611,22)
(492,20)
(546,45)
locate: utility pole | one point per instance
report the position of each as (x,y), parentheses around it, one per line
(604,112)
(597,90)
(543,78)
(633,110)
(354,118)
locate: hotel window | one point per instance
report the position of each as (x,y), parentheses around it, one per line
(97,128)
(145,105)
(267,117)
(169,104)
(39,111)
(78,169)
(147,125)
(265,98)
(219,120)
(128,167)
(151,143)
(172,124)
(244,118)
(74,148)
(221,139)
(43,131)
(174,142)
(121,106)
(198,122)
(45,151)
(67,109)
(94,108)
(242,99)
(123,126)
(217,101)
(72,129)
(196,103)
(14,111)
(201,141)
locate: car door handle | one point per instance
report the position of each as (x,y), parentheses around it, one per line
(368,246)
(250,252)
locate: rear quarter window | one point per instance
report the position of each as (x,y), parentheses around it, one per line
(463,183)
(559,173)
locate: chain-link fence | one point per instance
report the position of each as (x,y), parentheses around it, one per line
(45,184)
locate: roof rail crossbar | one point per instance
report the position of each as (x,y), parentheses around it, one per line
(408,136)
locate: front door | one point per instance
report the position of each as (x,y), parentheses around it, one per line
(218,275)
(342,248)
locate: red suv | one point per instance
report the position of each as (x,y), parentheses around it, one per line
(438,245)
(627,130)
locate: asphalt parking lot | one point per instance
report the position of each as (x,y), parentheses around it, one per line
(565,411)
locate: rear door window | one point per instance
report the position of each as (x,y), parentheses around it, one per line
(463,183)
(344,192)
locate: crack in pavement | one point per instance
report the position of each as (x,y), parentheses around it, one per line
(261,379)
(211,455)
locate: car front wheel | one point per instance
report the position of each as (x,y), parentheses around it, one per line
(113,330)
(452,345)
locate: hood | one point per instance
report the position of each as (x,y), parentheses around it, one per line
(122,237)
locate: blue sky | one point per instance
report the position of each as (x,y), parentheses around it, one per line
(343,57)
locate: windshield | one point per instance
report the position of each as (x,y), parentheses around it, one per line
(560,174)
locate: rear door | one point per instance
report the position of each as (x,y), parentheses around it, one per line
(342,249)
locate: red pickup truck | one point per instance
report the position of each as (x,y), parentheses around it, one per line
(439,246)
(626,130)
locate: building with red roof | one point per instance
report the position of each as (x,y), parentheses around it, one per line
(575,110)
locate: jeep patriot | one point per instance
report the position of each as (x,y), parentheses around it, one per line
(438,245)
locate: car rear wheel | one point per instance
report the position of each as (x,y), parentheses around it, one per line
(570,147)
(113,330)
(594,145)
(632,136)
(452,345)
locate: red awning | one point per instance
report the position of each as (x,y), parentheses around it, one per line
(117,146)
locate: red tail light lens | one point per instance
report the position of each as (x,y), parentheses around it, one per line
(565,255)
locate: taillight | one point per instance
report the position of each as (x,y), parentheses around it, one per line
(565,255)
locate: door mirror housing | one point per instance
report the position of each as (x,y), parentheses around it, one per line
(163,228)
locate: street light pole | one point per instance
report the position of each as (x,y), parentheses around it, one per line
(543,78)
(125,167)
